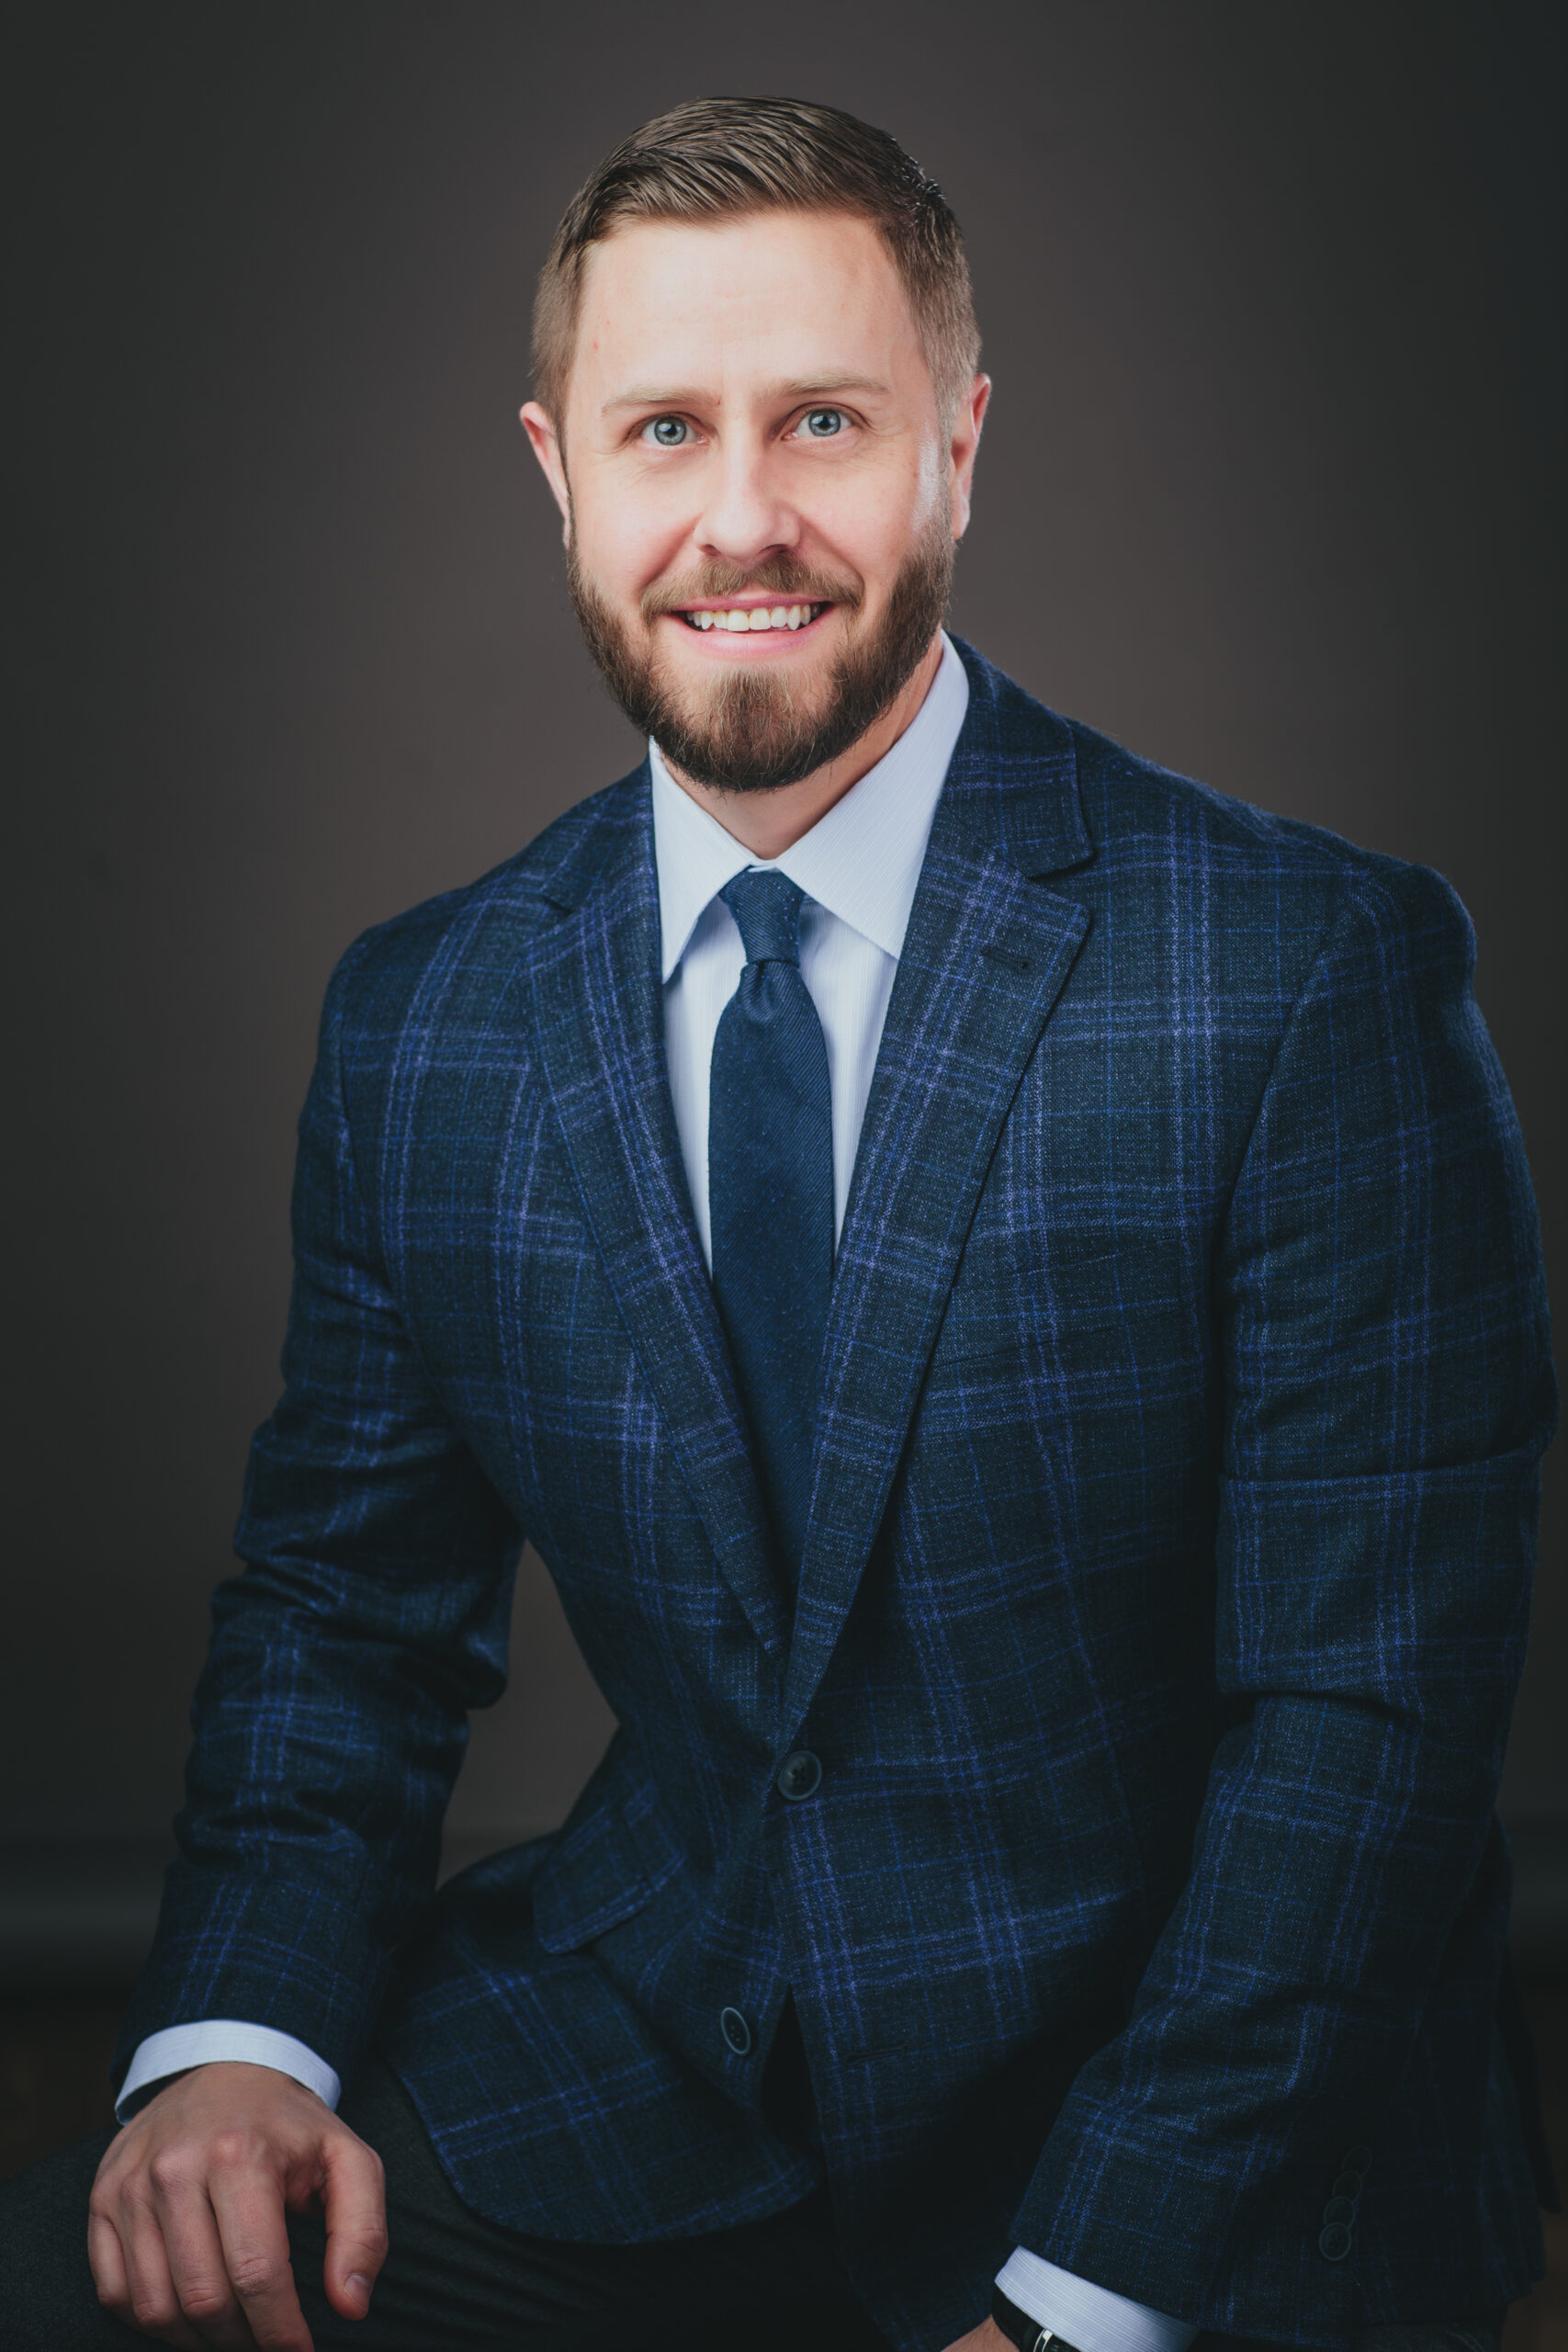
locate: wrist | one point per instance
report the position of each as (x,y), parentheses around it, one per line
(188,2048)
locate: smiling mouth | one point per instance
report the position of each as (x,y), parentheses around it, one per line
(751,619)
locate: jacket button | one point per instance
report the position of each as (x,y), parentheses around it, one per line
(1348,2184)
(800,1775)
(736,2031)
(1335,2243)
(1339,2208)
(1355,2159)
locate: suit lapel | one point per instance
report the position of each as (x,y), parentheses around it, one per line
(599,1019)
(985,957)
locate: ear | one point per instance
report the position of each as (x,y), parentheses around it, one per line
(545,444)
(966,426)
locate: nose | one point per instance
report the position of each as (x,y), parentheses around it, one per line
(744,518)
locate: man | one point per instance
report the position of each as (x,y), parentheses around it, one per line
(1003,1286)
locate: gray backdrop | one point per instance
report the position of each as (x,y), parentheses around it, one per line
(1270,490)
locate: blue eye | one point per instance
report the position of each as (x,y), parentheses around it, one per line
(666,432)
(821,424)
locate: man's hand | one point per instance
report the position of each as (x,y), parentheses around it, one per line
(987,2337)
(186,2227)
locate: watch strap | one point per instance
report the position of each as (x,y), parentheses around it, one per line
(1026,2333)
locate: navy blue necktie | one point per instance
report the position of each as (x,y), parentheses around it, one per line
(771,1195)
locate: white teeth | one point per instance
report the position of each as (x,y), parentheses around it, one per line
(758,616)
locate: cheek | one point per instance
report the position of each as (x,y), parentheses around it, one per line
(871,521)
(628,535)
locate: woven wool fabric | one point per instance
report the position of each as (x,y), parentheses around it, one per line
(770,1199)
(1161,1602)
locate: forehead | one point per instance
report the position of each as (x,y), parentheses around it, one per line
(768,295)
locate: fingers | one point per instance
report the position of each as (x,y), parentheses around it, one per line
(131,2270)
(107,2261)
(194,2252)
(356,2202)
(187,2231)
(188,2243)
(247,2209)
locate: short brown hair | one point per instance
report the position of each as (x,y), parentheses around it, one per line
(715,156)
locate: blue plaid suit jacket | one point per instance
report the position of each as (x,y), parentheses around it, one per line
(1160,1613)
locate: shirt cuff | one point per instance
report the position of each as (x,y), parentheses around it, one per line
(180,2047)
(1092,2317)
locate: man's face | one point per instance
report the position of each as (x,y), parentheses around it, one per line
(760,500)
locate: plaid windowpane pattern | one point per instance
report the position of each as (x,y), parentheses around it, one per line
(1161,1609)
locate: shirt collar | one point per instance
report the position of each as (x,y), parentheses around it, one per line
(861,860)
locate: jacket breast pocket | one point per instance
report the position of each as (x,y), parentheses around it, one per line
(588,1883)
(1008,1296)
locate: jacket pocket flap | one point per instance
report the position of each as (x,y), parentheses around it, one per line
(588,1883)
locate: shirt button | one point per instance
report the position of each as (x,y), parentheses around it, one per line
(1348,2184)
(1335,2243)
(1339,2208)
(800,1775)
(1355,2159)
(736,2031)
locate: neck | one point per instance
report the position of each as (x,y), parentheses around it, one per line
(768,822)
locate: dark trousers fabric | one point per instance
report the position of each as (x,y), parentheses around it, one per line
(455,2283)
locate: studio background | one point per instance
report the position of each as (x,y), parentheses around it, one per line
(1271,490)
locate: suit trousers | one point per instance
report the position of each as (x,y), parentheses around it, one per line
(454,2283)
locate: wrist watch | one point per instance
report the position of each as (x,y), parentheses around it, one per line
(1026,2333)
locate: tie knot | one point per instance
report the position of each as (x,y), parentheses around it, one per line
(766,907)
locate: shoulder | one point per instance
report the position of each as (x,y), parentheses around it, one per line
(382,975)
(1158,851)
(1207,856)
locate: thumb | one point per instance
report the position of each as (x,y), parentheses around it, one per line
(354,2201)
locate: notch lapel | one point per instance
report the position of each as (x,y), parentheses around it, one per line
(985,957)
(599,1019)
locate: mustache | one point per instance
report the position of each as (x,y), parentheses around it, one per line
(749,733)
(776,575)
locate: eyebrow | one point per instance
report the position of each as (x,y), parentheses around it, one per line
(689,396)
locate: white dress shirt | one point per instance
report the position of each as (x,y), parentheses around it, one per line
(858,867)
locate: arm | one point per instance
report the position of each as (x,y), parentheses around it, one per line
(1388,1391)
(328,1724)
(331,1716)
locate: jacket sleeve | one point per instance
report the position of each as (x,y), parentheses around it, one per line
(1381,1319)
(372,1613)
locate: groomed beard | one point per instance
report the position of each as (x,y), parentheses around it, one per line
(749,732)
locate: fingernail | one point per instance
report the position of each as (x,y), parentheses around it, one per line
(359,2284)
